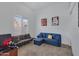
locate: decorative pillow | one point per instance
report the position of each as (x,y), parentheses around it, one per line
(49,36)
(7,41)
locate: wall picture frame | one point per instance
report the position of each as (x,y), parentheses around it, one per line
(55,21)
(44,22)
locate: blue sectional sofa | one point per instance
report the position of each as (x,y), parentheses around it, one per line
(43,38)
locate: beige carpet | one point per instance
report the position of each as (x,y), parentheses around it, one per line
(44,50)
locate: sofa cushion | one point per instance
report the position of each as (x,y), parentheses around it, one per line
(43,35)
(21,37)
(38,39)
(57,36)
(26,36)
(7,41)
(15,39)
(4,36)
(52,42)
(22,41)
(49,36)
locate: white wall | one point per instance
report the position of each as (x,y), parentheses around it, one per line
(7,13)
(49,12)
(74,29)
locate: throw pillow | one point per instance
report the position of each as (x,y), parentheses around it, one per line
(49,36)
(7,41)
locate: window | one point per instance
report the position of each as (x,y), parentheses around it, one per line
(20,25)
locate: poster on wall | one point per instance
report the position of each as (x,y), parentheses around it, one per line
(55,20)
(43,22)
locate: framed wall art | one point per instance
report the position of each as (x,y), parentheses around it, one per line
(43,22)
(55,20)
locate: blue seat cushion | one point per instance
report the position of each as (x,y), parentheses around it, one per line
(38,39)
(52,40)
(43,35)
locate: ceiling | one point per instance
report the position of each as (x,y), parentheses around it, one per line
(36,6)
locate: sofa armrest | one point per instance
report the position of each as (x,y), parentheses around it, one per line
(39,35)
(58,38)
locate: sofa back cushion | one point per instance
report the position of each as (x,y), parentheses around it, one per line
(15,39)
(39,35)
(4,37)
(21,37)
(57,36)
(26,36)
(43,35)
(54,35)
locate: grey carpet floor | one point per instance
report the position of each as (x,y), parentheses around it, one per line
(44,50)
